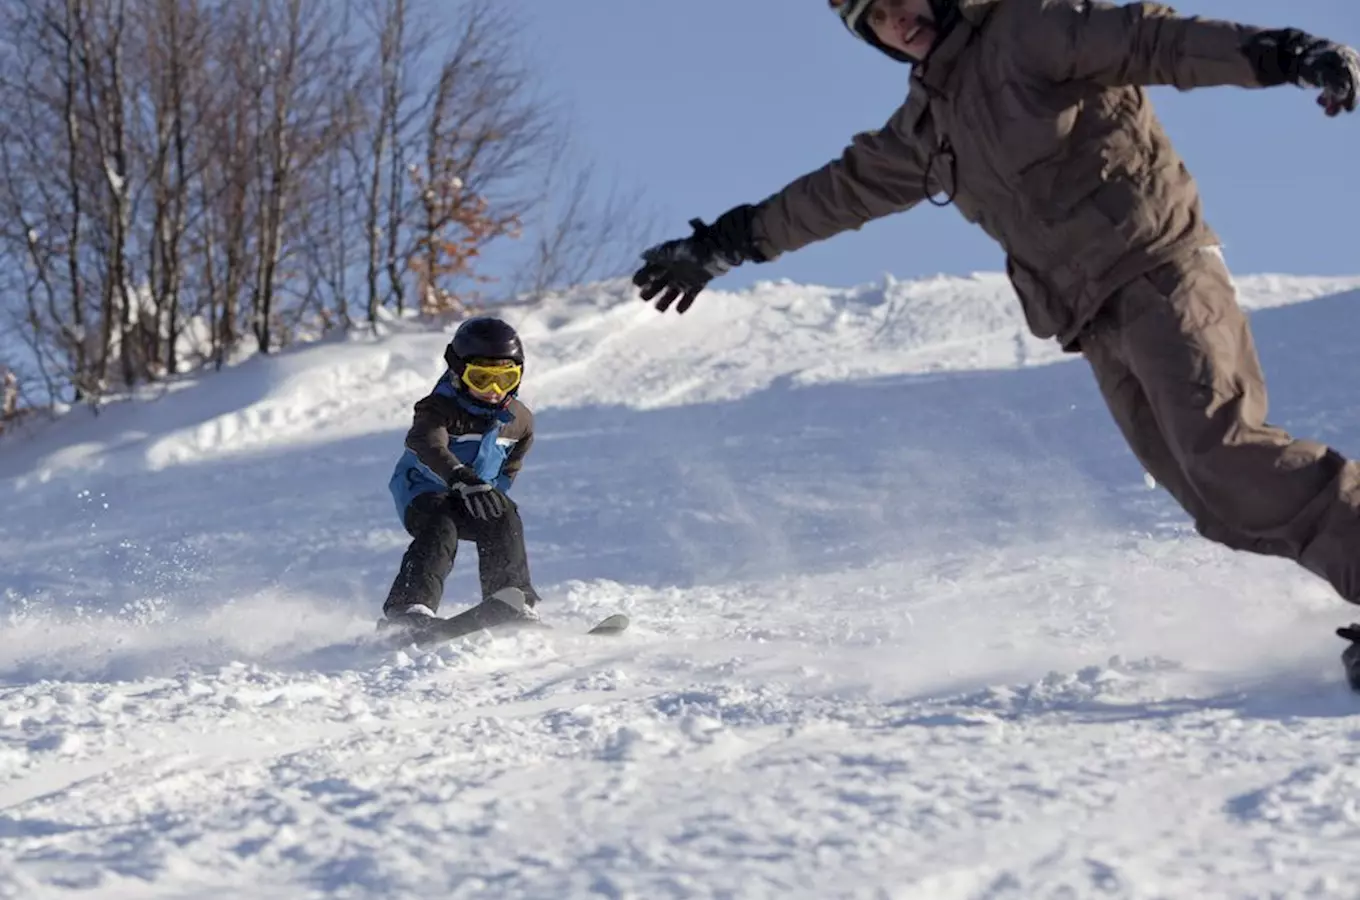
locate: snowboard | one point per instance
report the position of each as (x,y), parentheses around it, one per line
(1350,657)
(489,615)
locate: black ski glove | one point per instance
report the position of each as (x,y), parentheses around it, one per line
(684,267)
(1290,56)
(481,500)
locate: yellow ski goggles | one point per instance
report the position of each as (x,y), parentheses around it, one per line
(484,378)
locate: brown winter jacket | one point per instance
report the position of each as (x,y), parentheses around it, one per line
(1031,115)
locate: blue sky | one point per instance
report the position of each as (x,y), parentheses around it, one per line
(709,103)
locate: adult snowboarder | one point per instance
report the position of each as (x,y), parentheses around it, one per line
(465,447)
(1031,117)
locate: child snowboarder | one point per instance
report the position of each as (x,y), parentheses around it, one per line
(465,446)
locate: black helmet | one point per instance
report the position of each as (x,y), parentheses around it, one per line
(483,337)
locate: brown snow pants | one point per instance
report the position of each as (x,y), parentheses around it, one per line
(1176,363)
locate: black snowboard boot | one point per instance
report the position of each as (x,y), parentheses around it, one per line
(521,601)
(414,617)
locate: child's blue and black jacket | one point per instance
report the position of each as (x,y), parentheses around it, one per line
(450,432)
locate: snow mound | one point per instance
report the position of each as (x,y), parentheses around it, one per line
(907,621)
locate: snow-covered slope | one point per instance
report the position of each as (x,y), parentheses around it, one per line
(908,623)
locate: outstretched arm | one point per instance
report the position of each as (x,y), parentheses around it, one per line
(1149,44)
(880,173)
(1136,44)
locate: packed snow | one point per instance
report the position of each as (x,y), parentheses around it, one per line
(908,621)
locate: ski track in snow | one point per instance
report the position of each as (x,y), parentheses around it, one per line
(908,623)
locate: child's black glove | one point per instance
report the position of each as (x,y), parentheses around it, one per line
(481,500)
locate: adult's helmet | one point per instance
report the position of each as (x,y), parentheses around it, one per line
(853,14)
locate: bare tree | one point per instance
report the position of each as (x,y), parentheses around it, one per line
(384,147)
(585,233)
(180,176)
(334,217)
(173,41)
(71,118)
(275,148)
(225,189)
(44,203)
(100,36)
(484,135)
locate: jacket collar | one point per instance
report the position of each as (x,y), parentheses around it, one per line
(500,414)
